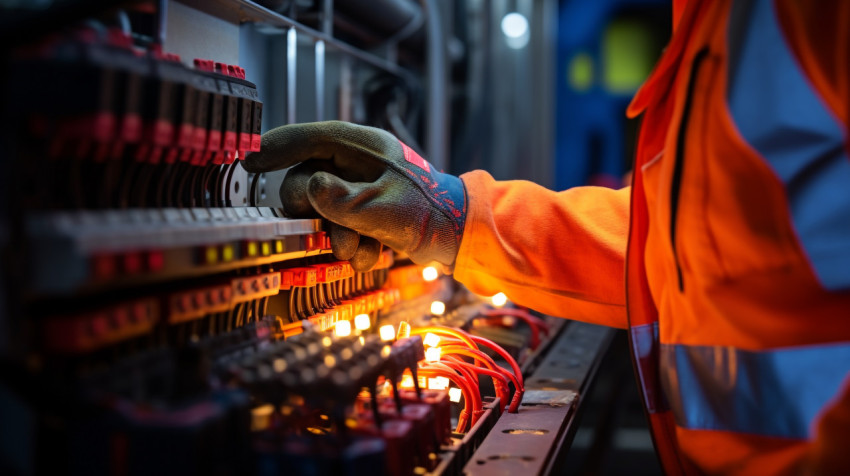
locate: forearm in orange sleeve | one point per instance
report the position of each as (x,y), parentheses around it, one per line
(561,253)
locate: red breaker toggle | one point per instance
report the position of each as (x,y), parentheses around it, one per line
(317,241)
(90,331)
(204,65)
(300,277)
(196,303)
(332,272)
(254,287)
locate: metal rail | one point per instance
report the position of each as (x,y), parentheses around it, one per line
(252,12)
(534,440)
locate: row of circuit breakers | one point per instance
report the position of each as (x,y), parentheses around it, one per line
(162,327)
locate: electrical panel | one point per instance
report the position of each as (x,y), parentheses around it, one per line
(161,316)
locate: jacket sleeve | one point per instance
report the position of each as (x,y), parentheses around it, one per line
(561,253)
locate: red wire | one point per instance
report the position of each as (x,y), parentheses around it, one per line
(467,376)
(500,382)
(468,394)
(491,364)
(514,366)
(450,331)
(520,314)
(472,377)
(533,322)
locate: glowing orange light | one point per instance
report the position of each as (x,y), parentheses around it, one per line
(342,329)
(499,299)
(431,340)
(387,332)
(406,381)
(433,354)
(430,273)
(403,330)
(362,322)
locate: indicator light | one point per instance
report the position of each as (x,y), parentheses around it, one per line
(279,365)
(455,394)
(431,340)
(362,322)
(261,417)
(155,260)
(211,255)
(430,273)
(403,330)
(499,299)
(342,329)
(438,308)
(433,354)
(387,332)
(227,253)
(438,383)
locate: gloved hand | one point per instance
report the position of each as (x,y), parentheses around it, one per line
(370,187)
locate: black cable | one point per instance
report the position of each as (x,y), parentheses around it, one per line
(111,176)
(330,289)
(193,183)
(196,191)
(214,185)
(317,304)
(230,171)
(142,185)
(244,313)
(234,315)
(160,194)
(310,304)
(125,182)
(181,175)
(163,184)
(298,304)
(253,193)
(76,178)
(291,305)
(181,187)
(209,171)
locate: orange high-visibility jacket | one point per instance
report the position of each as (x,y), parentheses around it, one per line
(729,257)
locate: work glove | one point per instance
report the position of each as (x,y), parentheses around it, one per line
(370,186)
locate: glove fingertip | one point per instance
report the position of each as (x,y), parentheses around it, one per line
(344,241)
(367,254)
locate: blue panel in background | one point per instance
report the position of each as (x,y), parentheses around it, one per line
(590,132)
